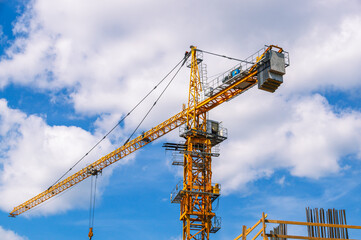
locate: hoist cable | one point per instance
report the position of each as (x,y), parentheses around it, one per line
(91,201)
(93,193)
(124,117)
(231,58)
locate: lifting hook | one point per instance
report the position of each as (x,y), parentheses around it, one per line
(90,234)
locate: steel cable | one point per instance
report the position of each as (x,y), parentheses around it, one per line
(106,135)
(153,105)
(231,58)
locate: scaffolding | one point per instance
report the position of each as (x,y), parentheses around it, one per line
(281,232)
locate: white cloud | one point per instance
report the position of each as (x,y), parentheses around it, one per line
(327,58)
(92,52)
(34,155)
(281,181)
(10,235)
(2,36)
(108,57)
(176,238)
(303,135)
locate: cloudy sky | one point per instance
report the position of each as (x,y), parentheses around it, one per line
(70,70)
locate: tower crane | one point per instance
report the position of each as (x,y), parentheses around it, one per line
(197,192)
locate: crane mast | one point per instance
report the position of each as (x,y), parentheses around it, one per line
(196,193)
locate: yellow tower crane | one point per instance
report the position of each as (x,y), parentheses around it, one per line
(266,67)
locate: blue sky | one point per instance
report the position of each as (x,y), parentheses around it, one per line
(70,70)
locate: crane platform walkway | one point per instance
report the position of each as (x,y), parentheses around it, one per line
(178,192)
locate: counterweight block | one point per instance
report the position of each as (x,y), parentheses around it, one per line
(271,71)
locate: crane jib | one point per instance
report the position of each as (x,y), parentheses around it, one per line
(225,92)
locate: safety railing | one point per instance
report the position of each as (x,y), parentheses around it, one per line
(247,233)
(178,191)
(235,73)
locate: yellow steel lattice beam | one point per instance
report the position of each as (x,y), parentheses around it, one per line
(180,118)
(265,221)
(103,162)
